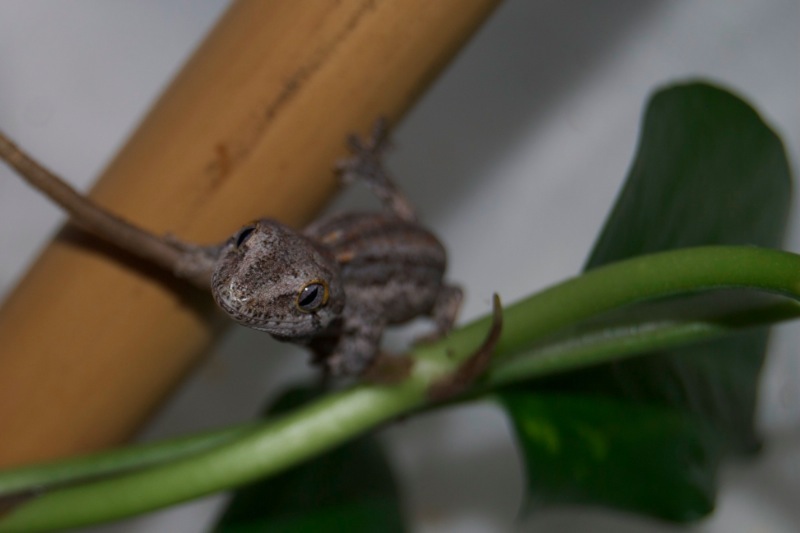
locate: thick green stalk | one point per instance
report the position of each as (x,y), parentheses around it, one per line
(640,279)
(637,280)
(283,442)
(278,445)
(115,461)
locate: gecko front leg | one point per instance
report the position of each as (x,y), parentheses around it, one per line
(350,346)
(333,287)
(366,165)
(167,252)
(195,261)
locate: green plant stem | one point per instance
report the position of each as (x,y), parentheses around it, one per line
(276,446)
(640,279)
(116,461)
(312,429)
(602,348)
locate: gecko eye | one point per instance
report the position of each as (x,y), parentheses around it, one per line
(313,296)
(243,235)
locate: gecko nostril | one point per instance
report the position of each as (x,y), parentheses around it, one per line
(237,293)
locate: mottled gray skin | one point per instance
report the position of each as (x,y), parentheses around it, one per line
(258,281)
(333,287)
(379,269)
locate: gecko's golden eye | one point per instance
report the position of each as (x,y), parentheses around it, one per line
(243,235)
(313,296)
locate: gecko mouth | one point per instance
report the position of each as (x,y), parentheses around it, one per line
(239,310)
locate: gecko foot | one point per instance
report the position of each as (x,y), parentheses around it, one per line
(366,165)
(475,366)
(388,369)
(444,313)
(367,159)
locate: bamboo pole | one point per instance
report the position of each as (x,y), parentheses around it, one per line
(92,340)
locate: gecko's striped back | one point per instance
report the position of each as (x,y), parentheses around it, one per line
(388,264)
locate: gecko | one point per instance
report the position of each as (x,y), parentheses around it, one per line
(333,287)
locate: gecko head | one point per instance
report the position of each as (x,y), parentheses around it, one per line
(271,278)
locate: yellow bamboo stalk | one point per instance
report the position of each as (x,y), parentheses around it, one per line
(91,340)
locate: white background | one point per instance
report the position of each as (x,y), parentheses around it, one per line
(513,157)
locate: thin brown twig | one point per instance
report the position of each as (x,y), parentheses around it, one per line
(475,366)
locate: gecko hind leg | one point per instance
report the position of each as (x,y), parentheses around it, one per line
(444,313)
(445,310)
(366,165)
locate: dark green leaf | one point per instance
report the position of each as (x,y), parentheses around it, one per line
(707,171)
(349,489)
(584,449)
